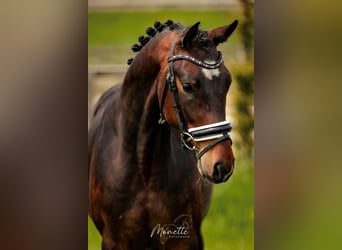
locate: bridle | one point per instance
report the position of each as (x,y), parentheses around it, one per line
(218,131)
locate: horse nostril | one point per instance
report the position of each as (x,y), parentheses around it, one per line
(220,171)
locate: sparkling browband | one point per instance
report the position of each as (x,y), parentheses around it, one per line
(196,61)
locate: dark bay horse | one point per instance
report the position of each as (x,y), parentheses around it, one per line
(160,139)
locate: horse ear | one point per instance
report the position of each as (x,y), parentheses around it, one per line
(221,34)
(190,35)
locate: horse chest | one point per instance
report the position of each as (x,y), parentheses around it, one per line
(170,197)
(163,206)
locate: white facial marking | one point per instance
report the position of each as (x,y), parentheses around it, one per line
(210,73)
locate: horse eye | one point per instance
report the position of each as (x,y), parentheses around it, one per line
(187,87)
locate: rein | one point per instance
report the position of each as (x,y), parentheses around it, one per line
(218,131)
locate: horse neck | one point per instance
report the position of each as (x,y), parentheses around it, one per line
(139,99)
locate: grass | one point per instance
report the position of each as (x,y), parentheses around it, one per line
(94,238)
(112,33)
(229,223)
(123,27)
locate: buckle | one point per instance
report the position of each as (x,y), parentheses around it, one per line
(188,141)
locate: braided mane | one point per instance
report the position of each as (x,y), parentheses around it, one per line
(151,32)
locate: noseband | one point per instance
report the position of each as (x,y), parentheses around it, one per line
(218,131)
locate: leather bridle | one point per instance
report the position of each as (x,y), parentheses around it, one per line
(218,131)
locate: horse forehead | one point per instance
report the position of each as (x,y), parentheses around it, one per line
(210,73)
(189,71)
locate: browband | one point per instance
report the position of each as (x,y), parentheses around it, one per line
(196,61)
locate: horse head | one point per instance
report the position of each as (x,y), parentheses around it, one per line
(201,82)
(192,85)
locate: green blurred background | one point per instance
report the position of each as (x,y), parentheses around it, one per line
(111,33)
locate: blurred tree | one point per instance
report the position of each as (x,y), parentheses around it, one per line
(245,78)
(247,27)
(244,108)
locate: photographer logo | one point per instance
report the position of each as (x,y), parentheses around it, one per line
(179,229)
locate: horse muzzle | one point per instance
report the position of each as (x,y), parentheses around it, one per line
(217,164)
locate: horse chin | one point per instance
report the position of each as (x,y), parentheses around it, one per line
(225,179)
(212,180)
(202,168)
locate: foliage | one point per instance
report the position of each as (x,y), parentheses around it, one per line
(244,77)
(247,27)
(245,114)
